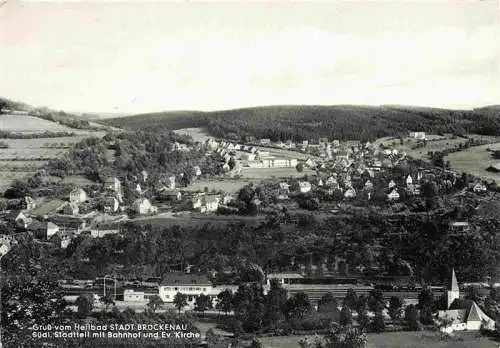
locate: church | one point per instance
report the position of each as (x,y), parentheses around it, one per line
(460,313)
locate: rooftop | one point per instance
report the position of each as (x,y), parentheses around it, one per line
(185,279)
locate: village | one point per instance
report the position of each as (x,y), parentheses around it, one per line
(322,177)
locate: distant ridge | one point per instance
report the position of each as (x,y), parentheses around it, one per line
(297,122)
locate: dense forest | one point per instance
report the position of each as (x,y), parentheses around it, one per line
(342,122)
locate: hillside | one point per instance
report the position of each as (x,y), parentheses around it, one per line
(346,122)
(8,106)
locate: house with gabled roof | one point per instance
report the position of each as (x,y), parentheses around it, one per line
(310,163)
(304,186)
(29,203)
(350,193)
(23,221)
(479,188)
(205,203)
(77,195)
(169,194)
(143,206)
(112,184)
(331,181)
(197,170)
(393,195)
(409,180)
(70,209)
(368,185)
(461,314)
(110,205)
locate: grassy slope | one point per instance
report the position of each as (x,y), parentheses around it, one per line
(399,340)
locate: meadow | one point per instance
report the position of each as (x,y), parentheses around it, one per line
(475,160)
(23,157)
(434,143)
(29,124)
(399,340)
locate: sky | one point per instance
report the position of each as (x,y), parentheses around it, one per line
(150,56)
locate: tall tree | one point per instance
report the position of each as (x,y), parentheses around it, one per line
(203,302)
(345,316)
(155,303)
(297,306)
(84,304)
(411,318)
(378,323)
(276,299)
(376,302)
(327,303)
(28,300)
(395,307)
(351,299)
(225,301)
(180,301)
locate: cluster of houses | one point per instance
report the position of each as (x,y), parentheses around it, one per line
(248,156)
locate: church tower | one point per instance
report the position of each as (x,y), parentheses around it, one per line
(452,293)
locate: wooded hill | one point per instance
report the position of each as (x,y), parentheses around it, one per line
(343,122)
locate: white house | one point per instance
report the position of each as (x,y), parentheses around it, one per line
(331,181)
(5,244)
(110,205)
(393,196)
(143,206)
(130,295)
(77,195)
(392,184)
(368,185)
(171,182)
(23,220)
(409,180)
(350,193)
(113,184)
(190,285)
(282,278)
(304,186)
(170,194)
(197,170)
(206,203)
(479,188)
(52,229)
(310,163)
(71,209)
(29,203)
(418,135)
(144,175)
(461,314)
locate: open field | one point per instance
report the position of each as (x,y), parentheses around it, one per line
(267,173)
(475,160)
(78,180)
(434,143)
(198,134)
(398,340)
(226,185)
(24,157)
(30,124)
(166,220)
(7,177)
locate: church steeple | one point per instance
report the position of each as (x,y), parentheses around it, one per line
(453,292)
(453,286)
